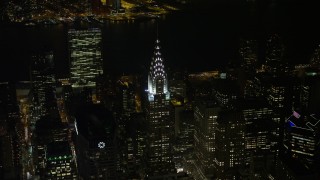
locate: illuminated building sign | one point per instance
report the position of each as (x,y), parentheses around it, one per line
(291,124)
(296,115)
(223,75)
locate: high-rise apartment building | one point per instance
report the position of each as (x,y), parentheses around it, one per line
(160,127)
(85,56)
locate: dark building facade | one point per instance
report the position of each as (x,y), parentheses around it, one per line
(94,143)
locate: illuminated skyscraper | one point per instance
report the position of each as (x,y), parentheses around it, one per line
(275,64)
(249,55)
(274,49)
(300,159)
(60,162)
(261,136)
(205,115)
(309,92)
(47,130)
(85,56)
(161,129)
(43,84)
(229,144)
(301,139)
(315,60)
(177,88)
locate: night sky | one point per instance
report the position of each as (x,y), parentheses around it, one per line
(198,39)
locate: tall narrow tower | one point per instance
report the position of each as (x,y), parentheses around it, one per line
(157,78)
(161,129)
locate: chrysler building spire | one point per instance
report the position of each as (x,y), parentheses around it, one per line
(157,78)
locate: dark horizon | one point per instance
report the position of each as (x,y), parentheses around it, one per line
(198,39)
(211,91)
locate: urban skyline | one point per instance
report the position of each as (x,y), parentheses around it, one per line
(222,26)
(242,108)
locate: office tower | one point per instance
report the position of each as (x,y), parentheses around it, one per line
(47,130)
(205,119)
(275,64)
(176,108)
(280,94)
(249,55)
(183,132)
(300,158)
(127,94)
(301,140)
(309,91)
(201,91)
(140,137)
(184,143)
(274,51)
(276,96)
(132,148)
(250,89)
(177,88)
(226,92)
(60,161)
(85,56)
(229,144)
(94,142)
(160,127)
(278,91)
(261,136)
(315,59)
(259,86)
(43,84)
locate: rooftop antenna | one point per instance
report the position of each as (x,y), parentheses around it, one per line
(157,31)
